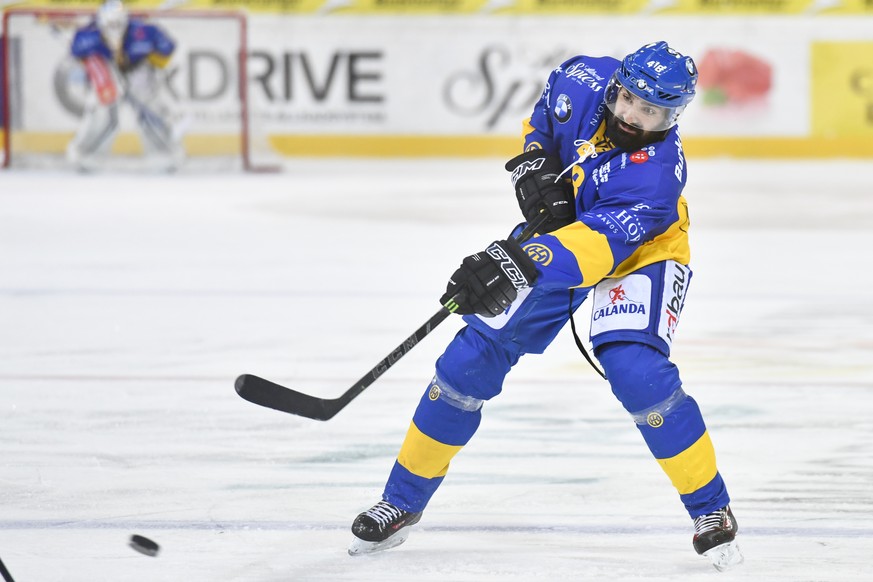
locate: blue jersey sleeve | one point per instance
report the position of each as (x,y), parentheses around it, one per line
(147,43)
(87,41)
(629,206)
(537,128)
(161,43)
(639,217)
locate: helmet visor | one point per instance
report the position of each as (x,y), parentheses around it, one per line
(638,112)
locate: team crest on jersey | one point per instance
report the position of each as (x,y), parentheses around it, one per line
(539,253)
(434,392)
(621,304)
(563,108)
(655,420)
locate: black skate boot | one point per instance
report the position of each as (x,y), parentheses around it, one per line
(381,527)
(715,537)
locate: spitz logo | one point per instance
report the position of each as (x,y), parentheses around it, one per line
(619,303)
(539,253)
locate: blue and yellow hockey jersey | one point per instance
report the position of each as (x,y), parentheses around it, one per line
(629,205)
(142,42)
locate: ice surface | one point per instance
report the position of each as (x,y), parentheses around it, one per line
(128,305)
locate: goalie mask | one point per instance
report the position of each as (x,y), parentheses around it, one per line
(112,22)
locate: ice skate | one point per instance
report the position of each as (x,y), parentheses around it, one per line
(381,527)
(715,537)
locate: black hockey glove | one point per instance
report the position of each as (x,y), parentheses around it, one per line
(487,282)
(538,188)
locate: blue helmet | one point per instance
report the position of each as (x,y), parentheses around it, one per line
(660,76)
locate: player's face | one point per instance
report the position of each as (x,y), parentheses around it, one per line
(638,112)
(628,137)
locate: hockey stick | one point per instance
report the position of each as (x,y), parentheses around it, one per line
(7,577)
(271,395)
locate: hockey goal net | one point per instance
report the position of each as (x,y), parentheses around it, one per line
(43,90)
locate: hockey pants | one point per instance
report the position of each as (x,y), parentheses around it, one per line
(472,370)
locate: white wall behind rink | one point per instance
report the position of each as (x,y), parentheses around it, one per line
(474,75)
(444,84)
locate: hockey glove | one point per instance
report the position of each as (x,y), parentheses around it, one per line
(487,282)
(538,188)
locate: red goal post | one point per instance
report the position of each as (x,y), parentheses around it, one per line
(43,88)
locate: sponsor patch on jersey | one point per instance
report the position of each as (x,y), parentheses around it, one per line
(624,303)
(563,108)
(676,279)
(539,253)
(639,157)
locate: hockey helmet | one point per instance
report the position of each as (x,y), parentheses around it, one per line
(112,21)
(659,78)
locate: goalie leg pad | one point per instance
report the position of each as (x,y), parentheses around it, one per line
(160,136)
(161,144)
(96,133)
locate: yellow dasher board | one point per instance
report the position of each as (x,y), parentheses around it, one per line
(497,7)
(842,89)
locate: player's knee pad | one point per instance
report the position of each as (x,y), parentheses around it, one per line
(475,364)
(447,416)
(642,378)
(439,389)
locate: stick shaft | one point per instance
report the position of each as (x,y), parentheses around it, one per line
(271,395)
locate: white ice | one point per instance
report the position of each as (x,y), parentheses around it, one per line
(128,305)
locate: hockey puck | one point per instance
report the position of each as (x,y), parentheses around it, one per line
(143,545)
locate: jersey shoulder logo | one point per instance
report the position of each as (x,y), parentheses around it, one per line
(563,109)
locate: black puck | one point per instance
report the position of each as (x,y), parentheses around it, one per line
(143,545)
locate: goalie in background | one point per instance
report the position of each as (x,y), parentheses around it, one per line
(125,60)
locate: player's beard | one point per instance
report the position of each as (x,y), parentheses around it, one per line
(628,137)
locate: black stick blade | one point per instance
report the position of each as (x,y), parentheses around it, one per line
(7,577)
(271,395)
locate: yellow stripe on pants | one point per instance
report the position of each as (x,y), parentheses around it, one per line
(424,456)
(692,468)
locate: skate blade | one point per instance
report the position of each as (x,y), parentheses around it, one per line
(360,547)
(725,556)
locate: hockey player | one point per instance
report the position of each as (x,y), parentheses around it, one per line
(125,60)
(603,159)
